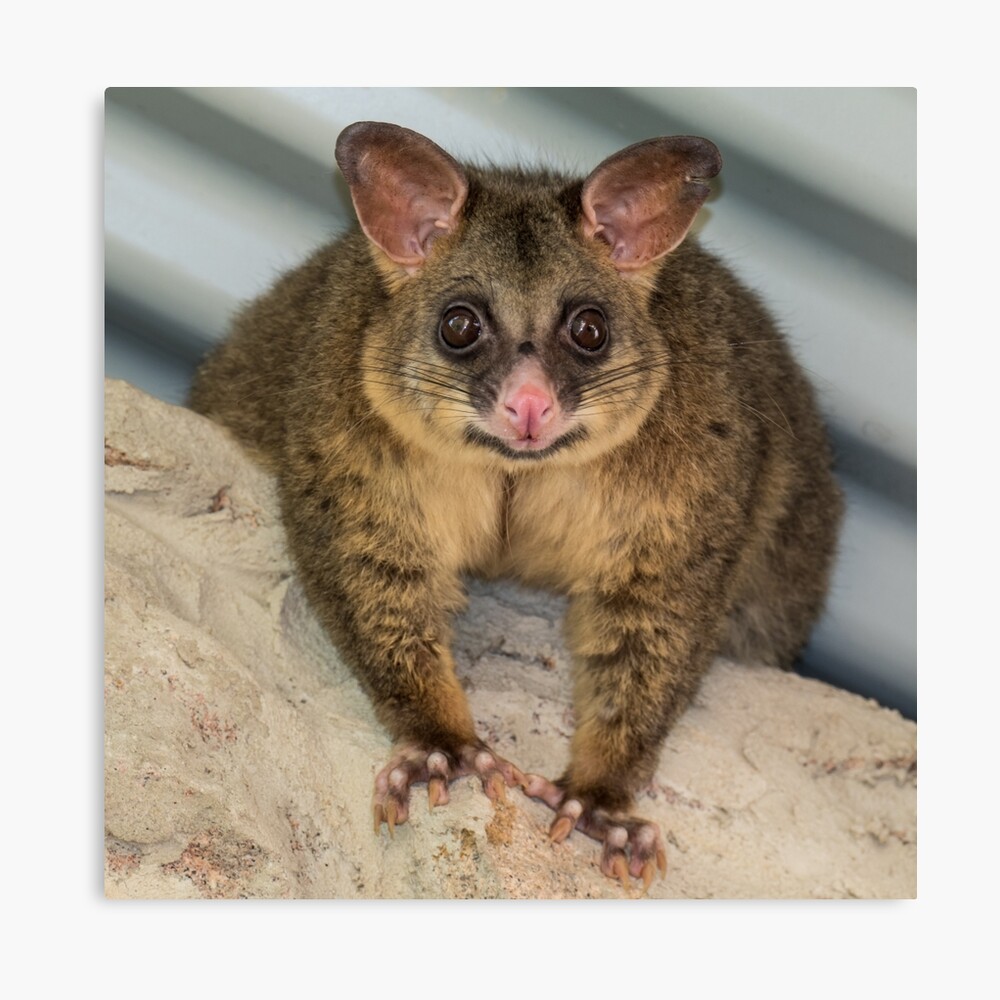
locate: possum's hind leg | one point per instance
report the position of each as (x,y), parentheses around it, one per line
(412,764)
(783,585)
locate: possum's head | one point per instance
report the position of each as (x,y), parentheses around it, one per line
(518,326)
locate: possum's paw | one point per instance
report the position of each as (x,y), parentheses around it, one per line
(631,846)
(413,764)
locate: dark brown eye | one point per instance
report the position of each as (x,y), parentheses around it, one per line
(589,329)
(460,327)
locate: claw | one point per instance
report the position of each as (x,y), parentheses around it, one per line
(497,789)
(648,871)
(620,869)
(561,829)
(379,818)
(661,860)
(390,817)
(436,792)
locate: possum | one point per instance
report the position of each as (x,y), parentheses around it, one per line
(513,373)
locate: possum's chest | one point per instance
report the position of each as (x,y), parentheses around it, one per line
(561,528)
(564,530)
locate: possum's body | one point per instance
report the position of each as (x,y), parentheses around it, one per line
(543,393)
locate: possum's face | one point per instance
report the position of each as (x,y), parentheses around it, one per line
(516,341)
(516,329)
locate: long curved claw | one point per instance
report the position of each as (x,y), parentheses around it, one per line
(619,868)
(648,873)
(379,818)
(391,812)
(437,792)
(497,788)
(561,829)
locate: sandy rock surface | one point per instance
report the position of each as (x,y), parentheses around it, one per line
(240,752)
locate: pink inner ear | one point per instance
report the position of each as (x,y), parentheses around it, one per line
(642,201)
(406,190)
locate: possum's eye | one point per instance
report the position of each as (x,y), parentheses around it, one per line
(589,329)
(460,327)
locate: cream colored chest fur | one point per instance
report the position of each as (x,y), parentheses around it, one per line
(565,528)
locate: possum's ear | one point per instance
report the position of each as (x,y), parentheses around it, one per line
(642,200)
(406,190)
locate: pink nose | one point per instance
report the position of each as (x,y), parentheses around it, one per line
(528,409)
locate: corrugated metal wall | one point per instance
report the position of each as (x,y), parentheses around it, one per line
(211,193)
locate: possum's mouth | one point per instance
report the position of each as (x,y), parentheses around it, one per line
(527,449)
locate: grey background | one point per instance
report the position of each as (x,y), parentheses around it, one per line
(211,193)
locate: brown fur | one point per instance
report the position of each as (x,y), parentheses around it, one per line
(698,515)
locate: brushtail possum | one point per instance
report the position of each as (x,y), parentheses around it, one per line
(514,373)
